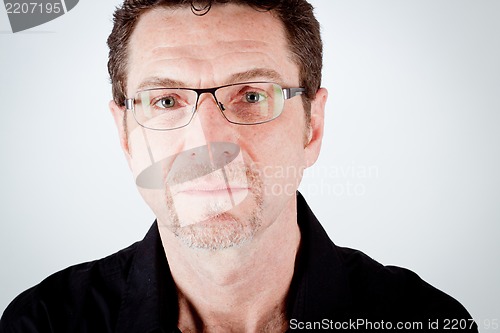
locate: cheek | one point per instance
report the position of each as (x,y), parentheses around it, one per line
(147,148)
(281,141)
(155,199)
(277,148)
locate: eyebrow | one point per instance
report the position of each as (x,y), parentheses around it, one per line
(268,74)
(160,82)
(246,76)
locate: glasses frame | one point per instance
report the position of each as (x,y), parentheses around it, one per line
(287,94)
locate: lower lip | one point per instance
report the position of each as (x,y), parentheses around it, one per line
(216,192)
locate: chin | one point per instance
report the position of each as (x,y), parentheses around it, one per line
(219,232)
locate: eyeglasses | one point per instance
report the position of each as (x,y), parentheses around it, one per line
(248,103)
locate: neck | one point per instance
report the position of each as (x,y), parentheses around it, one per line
(243,288)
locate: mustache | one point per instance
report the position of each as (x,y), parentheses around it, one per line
(236,173)
(192,164)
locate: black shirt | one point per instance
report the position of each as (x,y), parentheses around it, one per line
(332,288)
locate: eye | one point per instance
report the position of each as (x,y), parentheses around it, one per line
(254,97)
(166,102)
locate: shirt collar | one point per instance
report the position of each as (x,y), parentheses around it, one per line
(319,285)
(150,302)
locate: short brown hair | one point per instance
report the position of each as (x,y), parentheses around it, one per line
(300,25)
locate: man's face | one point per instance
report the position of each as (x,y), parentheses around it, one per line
(215,184)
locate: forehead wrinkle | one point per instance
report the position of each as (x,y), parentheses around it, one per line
(169,79)
(201,50)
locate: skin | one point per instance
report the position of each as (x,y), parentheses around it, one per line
(242,285)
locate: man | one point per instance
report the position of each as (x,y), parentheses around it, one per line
(219,109)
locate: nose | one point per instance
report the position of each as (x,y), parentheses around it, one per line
(212,122)
(208,144)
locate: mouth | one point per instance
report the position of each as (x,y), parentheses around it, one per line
(213,190)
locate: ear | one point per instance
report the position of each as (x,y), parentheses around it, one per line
(120,119)
(316,128)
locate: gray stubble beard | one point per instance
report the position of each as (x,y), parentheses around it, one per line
(223,230)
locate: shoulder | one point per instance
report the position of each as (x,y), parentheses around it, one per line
(345,283)
(66,298)
(395,291)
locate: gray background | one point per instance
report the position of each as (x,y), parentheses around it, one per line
(409,171)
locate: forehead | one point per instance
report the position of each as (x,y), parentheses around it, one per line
(207,50)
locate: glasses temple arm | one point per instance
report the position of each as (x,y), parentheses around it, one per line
(129,103)
(292,92)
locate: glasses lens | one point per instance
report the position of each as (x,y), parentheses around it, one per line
(164,109)
(251,103)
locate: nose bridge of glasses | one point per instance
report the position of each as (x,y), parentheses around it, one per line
(213,127)
(201,99)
